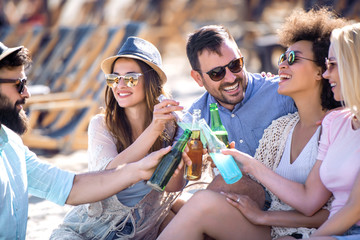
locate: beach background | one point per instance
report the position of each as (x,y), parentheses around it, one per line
(64,55)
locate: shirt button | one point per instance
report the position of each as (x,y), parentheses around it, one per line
(241,141)
(232,115)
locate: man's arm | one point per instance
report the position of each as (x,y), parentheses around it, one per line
(96,186)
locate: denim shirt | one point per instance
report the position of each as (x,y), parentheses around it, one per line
(21,173)
(247,121)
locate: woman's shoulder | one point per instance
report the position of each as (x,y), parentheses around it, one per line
(284,120)
(97,121)
(98,118)
(336,117)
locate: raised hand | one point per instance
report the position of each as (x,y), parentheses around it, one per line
(162,113)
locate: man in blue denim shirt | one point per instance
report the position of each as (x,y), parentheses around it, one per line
(21,172)
(247,102)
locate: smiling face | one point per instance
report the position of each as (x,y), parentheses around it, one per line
(231,89)
(332,74)
(301,76)
(128,96)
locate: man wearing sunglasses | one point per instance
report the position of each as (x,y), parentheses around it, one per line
(247,102)
(20,170)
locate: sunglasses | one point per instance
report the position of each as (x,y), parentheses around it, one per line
(291,58)
(330,64)
(20,83)
(218,73)
(130,79)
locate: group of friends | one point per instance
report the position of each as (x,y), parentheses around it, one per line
(295,136)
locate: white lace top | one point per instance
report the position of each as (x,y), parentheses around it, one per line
(102,150)
(301,167)
(270,151)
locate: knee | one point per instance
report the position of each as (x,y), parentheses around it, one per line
(205,201)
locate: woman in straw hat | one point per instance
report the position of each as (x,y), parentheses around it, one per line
(132,125)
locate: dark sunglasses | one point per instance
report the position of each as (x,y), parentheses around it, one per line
(330,64)
(218,73)
(291,58)
(20,83)
(130,79)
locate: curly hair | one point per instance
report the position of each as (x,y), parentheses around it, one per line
(315,26)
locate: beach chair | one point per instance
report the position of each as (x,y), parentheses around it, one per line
(67,130)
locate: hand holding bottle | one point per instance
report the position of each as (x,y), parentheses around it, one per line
(231,146)
(146,166)
(169,163)
(248,163)
(162,113)
(225,163)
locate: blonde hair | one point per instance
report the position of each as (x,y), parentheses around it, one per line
(345,43)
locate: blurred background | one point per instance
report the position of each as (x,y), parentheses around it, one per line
(68,40)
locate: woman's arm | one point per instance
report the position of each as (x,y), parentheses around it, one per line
(345,217)
(141,146)
(307,198)
(254,214)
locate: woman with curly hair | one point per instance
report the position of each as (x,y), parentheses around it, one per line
(288,147)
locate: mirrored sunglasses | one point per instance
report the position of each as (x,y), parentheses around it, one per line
(330,64)
(291,58)
(130,79)
(20,83)
(218,73)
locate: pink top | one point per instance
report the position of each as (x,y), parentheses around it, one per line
(339,149)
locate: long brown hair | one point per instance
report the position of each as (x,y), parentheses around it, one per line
(115,118)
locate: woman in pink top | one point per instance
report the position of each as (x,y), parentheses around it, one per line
(341,140)
(337,169)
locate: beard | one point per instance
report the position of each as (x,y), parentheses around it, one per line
(11,117)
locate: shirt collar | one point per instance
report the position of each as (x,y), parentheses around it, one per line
(3,137)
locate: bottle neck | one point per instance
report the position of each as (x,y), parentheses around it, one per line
(195,134)
(180,145)
(216,124)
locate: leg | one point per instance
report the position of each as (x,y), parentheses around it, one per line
(245,186)
(184,197)
(208,213)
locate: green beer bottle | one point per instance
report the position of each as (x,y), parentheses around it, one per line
(169,163)
(216,125)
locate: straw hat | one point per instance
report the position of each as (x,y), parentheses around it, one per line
(5,51)
(137,48)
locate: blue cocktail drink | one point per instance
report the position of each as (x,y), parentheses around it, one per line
(227,167)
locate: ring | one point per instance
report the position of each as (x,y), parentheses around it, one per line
(238,200)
